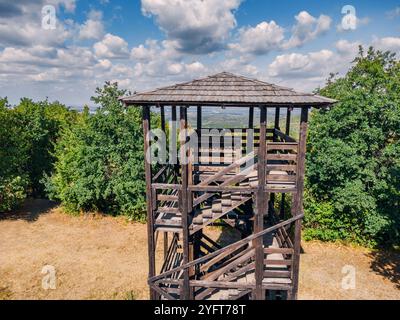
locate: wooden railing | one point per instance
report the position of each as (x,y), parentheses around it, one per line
(159,282)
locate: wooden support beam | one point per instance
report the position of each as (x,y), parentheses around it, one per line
(165,245)
(251,117)
(277,118)
(199,125)
(287,132)
(288,120)
(184,204)
(173,139)
(261,202)
(235,245)
(162,115)
(298,199)
(149,201)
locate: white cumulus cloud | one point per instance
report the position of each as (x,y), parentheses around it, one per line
(197,26)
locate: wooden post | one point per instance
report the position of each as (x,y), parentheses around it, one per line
(287,132)
(276,125)
(165,234)
(199,125)
(251,117)
(261,202)
(149,202)
(184,206)
(173,145)
(275,139)
(288,119)
(162,111)
(298,199)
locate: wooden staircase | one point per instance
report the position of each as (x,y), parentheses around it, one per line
(170,219)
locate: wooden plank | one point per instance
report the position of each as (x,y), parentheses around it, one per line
(282,146)
(278,250)
(167,197)
(219,188)
(168,210)
(168,222)
(276,262)
(277,274)
(282,156)
(166,186)
(281,167)
(281,177)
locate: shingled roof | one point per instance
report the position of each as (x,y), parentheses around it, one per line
(228,90)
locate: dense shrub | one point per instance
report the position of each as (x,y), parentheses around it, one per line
(13,155)
(353,168)
(28,133)
(100,160)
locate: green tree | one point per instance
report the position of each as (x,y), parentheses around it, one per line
(13,155)
(28,133)
(353,168)
(100,159)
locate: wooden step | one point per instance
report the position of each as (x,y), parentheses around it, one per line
(207,213)
(226,200)
(198,219)
(217,206)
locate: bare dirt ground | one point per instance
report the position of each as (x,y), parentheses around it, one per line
(98,257)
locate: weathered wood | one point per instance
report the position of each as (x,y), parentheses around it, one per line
(298,203)
(166,186)
(149,201)
(235,245)
(278,250)
(288,120)
(229,168)
(281,177)
(184,205)
(261,201)
(282,156)
(281,167)
(162,115)
(284,137)
(165,242)
(167,197)
(282,146)
(251,117)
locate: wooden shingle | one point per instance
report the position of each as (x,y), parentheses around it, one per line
(226,89)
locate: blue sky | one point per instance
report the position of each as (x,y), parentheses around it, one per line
(144,44)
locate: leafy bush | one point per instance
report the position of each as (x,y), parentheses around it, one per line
(28,133)
(13,155)
(353,168)
(12,193)
(100,160)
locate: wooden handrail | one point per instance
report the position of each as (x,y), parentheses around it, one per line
(236,245)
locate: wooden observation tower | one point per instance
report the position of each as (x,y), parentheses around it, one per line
(241,178)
